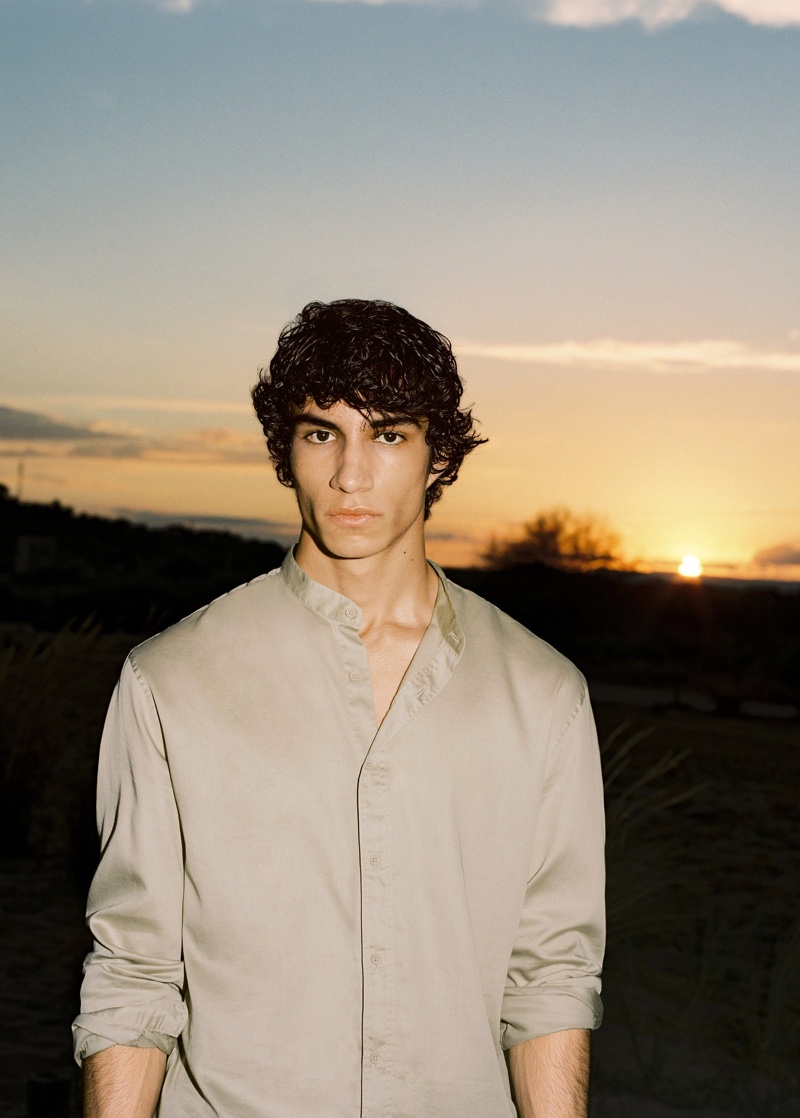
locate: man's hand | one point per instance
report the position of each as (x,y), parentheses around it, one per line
(122,1082)
(550,1075)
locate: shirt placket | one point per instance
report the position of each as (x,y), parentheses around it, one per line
(375,871)
(377,935)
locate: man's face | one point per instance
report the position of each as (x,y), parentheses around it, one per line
(360,482)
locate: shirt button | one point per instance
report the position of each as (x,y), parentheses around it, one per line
(353,677)
(374,1058)
(374,859)
(350,612)
(368,765)
(375,959)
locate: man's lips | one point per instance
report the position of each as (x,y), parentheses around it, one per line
(353,517)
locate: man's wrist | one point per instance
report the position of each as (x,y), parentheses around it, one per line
(550,1075)
(123,1082)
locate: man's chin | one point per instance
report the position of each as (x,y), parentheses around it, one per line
(347,543)
(354,549)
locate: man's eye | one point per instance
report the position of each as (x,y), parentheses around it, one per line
(319,436)
(390,437)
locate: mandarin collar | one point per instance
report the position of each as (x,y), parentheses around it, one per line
(339,609)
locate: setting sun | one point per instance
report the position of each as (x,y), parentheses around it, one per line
(690,567)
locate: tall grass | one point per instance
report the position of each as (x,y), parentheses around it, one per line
(642,868)
(703,950)
(54,689)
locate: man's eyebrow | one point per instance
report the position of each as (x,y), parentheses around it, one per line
(377,423)
(403,420)
(313,421)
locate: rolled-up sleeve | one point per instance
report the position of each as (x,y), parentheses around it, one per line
(133,978)
(554,972)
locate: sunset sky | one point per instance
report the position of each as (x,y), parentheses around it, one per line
(598,201)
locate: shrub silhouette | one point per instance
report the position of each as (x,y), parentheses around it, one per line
(559,538)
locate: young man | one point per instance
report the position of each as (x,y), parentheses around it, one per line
(351,814)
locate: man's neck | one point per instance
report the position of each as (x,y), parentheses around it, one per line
(395,586)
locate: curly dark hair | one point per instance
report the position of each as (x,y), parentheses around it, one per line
(373,356)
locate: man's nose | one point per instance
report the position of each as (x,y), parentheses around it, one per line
(352,468)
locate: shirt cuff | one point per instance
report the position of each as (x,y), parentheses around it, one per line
(93,1032)
(537,1011)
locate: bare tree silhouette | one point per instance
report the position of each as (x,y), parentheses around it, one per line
(559,538)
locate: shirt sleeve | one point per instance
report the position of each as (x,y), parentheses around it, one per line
(554,972)
(133,978)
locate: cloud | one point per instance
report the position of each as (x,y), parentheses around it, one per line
(594,13)
(658,357)
(445,536)
(18,424)
(249,527)
(782,555)
(183,7)
(659,13)
(32,434)
(212,446)
(599,13)
(148,403)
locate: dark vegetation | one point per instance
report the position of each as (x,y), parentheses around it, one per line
(560,538)
(58,568)
(733,644)
(703,974)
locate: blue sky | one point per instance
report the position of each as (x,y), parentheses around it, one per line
(600,211)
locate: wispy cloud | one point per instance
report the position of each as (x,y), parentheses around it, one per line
(33,434)
(217,445)
(782,555)
(446,536)
(184,405)
(600,13)
(283,532)
(595,13)
(18,424)
(181,6)
(659,357)
(658,13)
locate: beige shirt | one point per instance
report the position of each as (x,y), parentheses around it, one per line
(338,920)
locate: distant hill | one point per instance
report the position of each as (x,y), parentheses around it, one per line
(58,567)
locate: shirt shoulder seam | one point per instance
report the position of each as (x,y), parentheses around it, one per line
(577,707)
(141,679)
